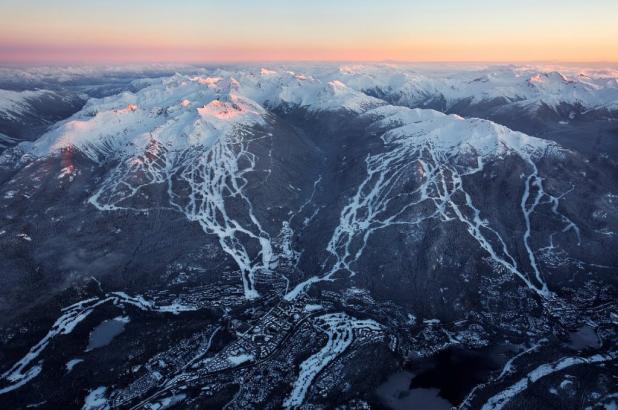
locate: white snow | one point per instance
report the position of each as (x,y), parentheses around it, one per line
(193,132)
(527,86)
(95,400)
(72,363)
(148,305)
(14,104)
(23,371)
(127,124)
(453,134)
(183,111)
(508,369)
(240,359)
(64,74)
(499,400)
(566,383)
(441,150)
(312,307)
(339,328)
(166,402)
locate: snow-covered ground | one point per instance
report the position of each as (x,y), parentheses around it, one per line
(14,104)
(187,110)
(339,329)
(192,134)
(525,85)
(24,370)
(437,142)
(501,399)
(162,130)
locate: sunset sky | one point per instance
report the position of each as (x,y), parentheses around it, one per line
(97,31)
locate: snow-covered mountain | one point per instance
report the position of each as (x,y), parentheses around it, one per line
(34,98)
(15,104)
(313,236)
(25,114)
(183,111)
(529,87)
(532,99)
(159,105)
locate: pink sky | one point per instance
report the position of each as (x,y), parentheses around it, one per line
(113,31)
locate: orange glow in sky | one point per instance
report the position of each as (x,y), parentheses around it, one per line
(116,31)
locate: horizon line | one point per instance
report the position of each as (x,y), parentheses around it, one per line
(297,61)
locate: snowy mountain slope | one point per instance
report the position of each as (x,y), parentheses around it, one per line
(195,129)
(173,121)
(507,94)
(528,87)
(454,135)
(160,102)
(30,77)
(34,98)
(15,104)
(442,152)
(182,111)
(162,132)
(564,104)
(25,114)
(177,113)
(284,239)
